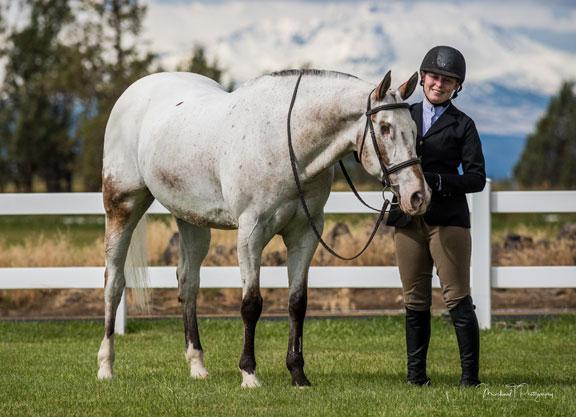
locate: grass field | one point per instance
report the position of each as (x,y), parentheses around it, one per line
(356,366)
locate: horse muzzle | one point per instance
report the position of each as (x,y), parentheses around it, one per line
(415,200)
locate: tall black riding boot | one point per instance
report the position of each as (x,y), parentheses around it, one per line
(417,340)
(468,335)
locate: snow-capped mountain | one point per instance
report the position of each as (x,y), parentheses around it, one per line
(518,52)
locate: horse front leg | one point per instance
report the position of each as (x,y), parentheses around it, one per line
(251,241)
(301,243)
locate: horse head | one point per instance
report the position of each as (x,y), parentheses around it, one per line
(387,148)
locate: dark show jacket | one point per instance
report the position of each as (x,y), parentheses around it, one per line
(452,140)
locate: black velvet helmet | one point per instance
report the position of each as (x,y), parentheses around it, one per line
(445,60)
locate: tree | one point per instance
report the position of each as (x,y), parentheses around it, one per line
(549,158)
(116,27)
(37,102)
(198,63)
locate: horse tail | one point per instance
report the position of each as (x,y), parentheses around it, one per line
(136,267)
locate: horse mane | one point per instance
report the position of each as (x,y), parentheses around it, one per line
(315,72)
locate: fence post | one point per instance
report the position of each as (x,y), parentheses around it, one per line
(121,314)
(481,256)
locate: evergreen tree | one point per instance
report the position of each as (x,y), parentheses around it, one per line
(37,102)
(549,158)
(198,63)
(116,28)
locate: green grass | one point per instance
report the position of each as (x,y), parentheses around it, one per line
(356,367)
(83,230)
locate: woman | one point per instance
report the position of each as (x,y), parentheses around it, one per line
(446,139)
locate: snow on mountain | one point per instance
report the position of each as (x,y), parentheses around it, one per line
(501,40)
(518,52)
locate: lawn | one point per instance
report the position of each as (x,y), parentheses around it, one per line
(356,367)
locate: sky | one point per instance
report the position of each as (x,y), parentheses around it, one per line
(517,52)
(528,44)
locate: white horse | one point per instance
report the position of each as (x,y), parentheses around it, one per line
(220,160)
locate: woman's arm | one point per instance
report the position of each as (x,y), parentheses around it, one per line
(473,178)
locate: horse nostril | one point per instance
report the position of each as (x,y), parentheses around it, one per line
(417,200)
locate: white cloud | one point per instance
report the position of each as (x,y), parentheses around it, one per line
(502,42)
(252,37)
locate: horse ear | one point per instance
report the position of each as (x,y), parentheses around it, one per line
(383,86)
(408,87)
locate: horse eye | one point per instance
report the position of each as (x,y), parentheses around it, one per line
(385,129)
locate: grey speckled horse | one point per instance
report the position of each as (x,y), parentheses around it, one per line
(220,160)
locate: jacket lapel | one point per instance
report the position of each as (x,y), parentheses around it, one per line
(447,118)
(417,117)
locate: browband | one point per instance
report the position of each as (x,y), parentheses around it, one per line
(387,107)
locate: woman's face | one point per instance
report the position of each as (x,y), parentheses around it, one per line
(438,88)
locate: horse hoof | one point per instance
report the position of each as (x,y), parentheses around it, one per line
(301,383)
(299,378)
(104,374)
(250,380)
(198,372)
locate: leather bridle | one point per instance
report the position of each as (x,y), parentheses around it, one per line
(386,171)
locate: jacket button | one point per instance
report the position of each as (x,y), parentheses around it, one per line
(421,142)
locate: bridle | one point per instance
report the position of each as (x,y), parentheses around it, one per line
(386,171)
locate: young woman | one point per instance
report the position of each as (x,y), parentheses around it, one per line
(446,139)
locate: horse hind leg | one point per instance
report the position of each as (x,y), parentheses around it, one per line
(123,211)
(194,245)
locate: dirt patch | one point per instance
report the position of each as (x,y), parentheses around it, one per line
(164,302)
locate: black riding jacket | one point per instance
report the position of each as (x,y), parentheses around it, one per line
(452,140)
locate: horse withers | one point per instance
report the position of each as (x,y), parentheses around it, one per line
(220,160)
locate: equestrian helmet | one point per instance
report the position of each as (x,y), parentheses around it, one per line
(445,60)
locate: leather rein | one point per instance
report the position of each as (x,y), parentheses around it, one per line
(386,171)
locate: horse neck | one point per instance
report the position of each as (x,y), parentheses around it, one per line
(326,120)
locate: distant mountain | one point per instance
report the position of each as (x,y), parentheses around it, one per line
(518,52)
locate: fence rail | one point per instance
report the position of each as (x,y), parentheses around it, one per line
(484,276)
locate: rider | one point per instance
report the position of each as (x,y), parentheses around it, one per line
(446,139)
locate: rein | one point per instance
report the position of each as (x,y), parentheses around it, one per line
(386,171)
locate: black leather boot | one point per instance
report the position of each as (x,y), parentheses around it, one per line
(417,340)
(468,335)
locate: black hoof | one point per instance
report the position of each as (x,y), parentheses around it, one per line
(299,379)
(301,383)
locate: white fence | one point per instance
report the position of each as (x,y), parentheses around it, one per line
(484,276)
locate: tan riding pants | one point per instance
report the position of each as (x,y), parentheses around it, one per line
(418,248)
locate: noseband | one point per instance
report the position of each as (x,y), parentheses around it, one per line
(385,170)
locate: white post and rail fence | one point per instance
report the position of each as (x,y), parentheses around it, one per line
(484,275)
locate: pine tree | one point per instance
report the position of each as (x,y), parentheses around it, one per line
(549,158)
(37,103)
(116,28)
(198,63)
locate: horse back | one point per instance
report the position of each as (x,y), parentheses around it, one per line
(142,102)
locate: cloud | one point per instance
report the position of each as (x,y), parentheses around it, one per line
(524,46)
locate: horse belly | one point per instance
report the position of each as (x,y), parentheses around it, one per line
(181,174)
(202,206)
